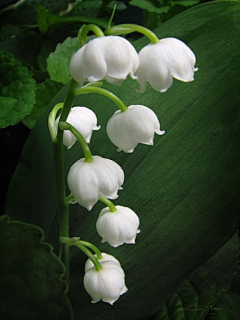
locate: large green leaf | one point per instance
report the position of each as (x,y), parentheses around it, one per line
(185,188)
(31,275)
(17,93)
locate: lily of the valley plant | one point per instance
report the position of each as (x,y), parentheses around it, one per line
(93,178)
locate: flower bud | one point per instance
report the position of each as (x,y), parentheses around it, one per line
(161,62)
(107,284)
(84,120)
(135,125)
(118,227)
(112,58)
(88,181)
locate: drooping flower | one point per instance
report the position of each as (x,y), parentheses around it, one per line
(118,227)
(107,284)
(105,257)
(161,62)
(135,125)
(88,181)
(112,58)
(84,120)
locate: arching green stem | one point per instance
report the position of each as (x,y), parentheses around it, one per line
(104,92)
(86,150)
(89,254)
(75,241)
(108,203)
(129,28)
(82,33)
(92,247)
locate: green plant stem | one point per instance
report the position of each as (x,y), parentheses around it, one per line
(129,28)
(104,92)
(112,15)
(93,247)
(82,34)
(86,150)
(109,204)
(88,253)
(63,205)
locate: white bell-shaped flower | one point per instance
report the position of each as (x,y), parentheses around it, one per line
(88,181)
(84,120)
(107,284)
(112,58)
(135,125)
(105,257)
(118,227)
(161,62)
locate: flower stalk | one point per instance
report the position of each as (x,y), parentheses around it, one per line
(130,28)
(75,241)
(83,32)
(89,254)
(104,92)
(86,150)
(109,203)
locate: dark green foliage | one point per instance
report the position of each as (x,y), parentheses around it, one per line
(31,275)
(17,95)
(204,292)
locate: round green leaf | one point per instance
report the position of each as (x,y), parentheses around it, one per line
(58,61)
(31,275)
(17,95)
(185,188)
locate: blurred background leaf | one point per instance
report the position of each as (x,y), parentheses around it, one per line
(17,95)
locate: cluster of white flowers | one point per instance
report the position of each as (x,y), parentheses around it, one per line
(113,58)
